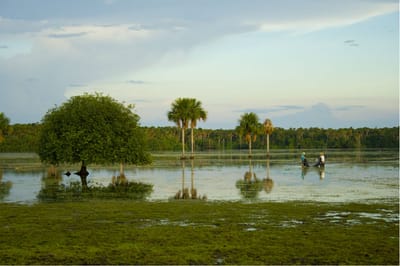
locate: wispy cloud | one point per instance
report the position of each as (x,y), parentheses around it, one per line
(351,43)
(273,109)
(132,81)
(67,35)
(349,107)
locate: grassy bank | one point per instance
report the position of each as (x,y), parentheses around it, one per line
(188,232)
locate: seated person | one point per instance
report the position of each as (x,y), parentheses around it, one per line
(304,161)
(321,160)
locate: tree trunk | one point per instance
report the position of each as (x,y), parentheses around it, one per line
(121,169)
(192,142)
(83,173)
(267,145)
(183,143)
(250,148)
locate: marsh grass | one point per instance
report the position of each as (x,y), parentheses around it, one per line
(196,232)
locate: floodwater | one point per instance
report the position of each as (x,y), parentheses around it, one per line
(349,176)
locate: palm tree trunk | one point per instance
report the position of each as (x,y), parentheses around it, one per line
(183,143)
(267,145)
(250,148)
(192,142)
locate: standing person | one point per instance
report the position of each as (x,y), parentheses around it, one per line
(304,161)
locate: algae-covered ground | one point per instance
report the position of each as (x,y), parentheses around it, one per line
(196,232)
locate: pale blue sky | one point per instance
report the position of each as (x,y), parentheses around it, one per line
(301,63)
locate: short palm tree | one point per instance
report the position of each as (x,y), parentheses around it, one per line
(197,113)
(249,126)
(180,115)
(268,129)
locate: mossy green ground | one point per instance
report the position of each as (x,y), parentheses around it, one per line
(192,232)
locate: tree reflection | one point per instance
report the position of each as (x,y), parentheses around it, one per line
(268,183)
(4,186)
(184,192)
(120,187)
(51,189)
(250,185)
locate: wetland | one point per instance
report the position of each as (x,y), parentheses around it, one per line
(246,211)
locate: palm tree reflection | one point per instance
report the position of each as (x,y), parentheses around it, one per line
(268,183)
(185,193)
(250,185)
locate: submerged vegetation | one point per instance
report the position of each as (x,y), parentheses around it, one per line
(197,232)
(119,188)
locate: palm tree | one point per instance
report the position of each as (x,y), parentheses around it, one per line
(180,114)
(249,126)
(268,128)
(197,113)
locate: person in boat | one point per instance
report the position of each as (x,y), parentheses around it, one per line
(304,161)
(321,160)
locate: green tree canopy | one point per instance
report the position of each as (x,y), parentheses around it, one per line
(93,129)
(249,126)
(4,126)
(196,113)
(181,115)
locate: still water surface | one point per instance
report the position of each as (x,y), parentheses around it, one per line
(356,176)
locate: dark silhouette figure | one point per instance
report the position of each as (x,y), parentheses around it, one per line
(83,173)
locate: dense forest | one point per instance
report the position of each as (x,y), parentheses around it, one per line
(24,138)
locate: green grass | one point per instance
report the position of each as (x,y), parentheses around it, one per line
(193,232)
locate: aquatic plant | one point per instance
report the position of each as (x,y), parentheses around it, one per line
(74,191)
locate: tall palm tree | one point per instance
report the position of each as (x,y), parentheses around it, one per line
(180,115)
(249,126)
(268,128)
(197,113)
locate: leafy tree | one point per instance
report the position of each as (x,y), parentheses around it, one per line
(180,114)
(196,113)
(92,129)
(249,127)
(4,126)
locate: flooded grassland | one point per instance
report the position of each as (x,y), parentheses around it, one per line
(245,211)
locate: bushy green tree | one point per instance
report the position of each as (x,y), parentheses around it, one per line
(4,126)
(92,129)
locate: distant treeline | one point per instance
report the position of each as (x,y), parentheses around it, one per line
(24,138)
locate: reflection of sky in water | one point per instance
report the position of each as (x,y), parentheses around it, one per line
(339,182)
(349,176)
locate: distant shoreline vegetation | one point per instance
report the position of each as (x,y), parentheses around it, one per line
(25,138)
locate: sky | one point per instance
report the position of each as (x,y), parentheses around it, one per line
(300,63)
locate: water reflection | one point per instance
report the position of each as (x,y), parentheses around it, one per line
(184,192)
(319,170)
(53,189)
(250,185)
(268,183)
(4,186)
(376,177)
